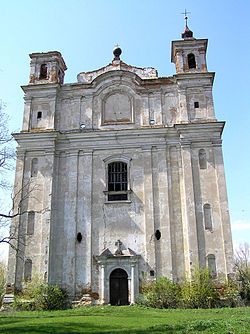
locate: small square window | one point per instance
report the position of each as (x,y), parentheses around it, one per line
(196,104)
(152,273)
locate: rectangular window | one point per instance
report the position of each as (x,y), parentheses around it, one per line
(39,115)
(117,181)
(196,104)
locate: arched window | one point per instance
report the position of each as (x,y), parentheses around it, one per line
(207,216)
(34,167)
(27,269)
(117,181)
(202,159)
(31,222)
(43,71)
(211,263)
(191,60)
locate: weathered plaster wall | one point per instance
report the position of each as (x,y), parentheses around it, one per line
(152,123)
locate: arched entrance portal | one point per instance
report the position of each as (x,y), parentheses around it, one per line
(118,287)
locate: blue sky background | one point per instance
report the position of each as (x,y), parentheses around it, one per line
(85,32)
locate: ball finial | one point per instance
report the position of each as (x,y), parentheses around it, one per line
(117,51)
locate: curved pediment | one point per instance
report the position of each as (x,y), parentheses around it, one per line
(118,65)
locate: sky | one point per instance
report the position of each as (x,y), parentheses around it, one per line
(86,31)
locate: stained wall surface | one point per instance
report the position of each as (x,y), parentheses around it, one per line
(173,214)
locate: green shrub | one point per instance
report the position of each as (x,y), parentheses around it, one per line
(31,288)
(25,299)
(37,295)
(200,292)
(51,297)
(2,281)
(162,293)
(243,275)
(21,304)
(229,295)
(242,271)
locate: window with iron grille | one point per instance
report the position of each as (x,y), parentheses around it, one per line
(117,181)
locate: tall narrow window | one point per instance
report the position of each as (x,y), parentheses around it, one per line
(27,270)
(207,216)
(117,181)
(191,61)
(31,222)
(43,71)
(211,263)
(34,167)
(202,159)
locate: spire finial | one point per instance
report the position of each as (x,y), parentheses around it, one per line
(187,32)
(117,51)
(185,16)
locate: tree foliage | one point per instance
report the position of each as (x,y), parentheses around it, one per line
(242,268)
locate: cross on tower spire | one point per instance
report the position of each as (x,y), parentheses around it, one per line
(187,32)
(185,16)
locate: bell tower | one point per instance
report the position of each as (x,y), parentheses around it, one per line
(47,71)
(47,67)
(193,80)
(189,54)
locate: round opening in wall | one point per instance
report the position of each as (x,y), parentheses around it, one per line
(82,126)
(158,234)
(79,237)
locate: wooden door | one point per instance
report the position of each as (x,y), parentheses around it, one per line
(118,287)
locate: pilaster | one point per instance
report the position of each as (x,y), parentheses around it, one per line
(15,224)
(183,109)
(224,211)
(149,209)
(188,202)
(176,227)
(70,222)
(83,220)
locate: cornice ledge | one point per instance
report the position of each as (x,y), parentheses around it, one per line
(190,127)
(41,87)
(30,135)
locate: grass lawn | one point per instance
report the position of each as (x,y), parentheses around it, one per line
(128,319)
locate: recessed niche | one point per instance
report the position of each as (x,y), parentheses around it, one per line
(117,108)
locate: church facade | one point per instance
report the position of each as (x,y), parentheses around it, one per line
(120,176)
